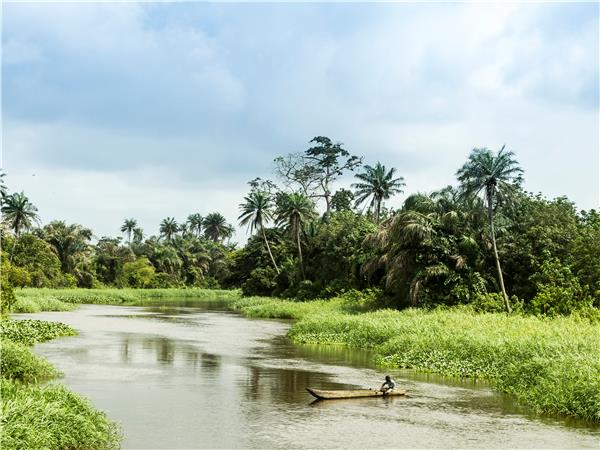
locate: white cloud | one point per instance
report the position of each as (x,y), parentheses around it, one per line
(151,119)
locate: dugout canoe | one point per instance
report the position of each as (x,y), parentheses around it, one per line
(356,393)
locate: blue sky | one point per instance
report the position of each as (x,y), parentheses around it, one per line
(151,110)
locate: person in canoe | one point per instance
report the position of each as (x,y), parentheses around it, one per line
(388,386)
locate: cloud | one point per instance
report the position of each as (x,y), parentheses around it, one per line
(199,98)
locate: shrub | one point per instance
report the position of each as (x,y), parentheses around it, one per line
(138,274)
(262,281)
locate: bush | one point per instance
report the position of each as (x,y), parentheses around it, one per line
(20,363)
(262,281)
(137,274)
(52,417)
(37,304)
(558,290)
(360,301)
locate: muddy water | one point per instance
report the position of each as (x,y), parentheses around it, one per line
(202,377)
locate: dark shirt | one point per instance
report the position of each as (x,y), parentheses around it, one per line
(389,384)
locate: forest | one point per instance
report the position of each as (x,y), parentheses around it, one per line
(484,242)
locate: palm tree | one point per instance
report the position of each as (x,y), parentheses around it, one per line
(168,228)
(294,211)
(19,213)
(138,235)
(69,242)
(496,177)
(216,227)
(128,227)
(378,184)
(256,211)
(3,187)
(194,221)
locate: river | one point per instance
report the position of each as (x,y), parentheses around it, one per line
(202,377)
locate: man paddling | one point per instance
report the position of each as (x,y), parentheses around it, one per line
(388,386)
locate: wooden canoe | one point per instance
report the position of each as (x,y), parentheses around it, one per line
(356,393)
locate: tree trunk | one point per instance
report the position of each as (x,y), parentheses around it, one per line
(378,211)
(300,253)
(12,251)
(497,259)
(269,249)
(327,202)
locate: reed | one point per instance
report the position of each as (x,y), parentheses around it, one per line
(550,364)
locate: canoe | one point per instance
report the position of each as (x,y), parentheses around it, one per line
(356,393)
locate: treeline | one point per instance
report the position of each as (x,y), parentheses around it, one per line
(483,242)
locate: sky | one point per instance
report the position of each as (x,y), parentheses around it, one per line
(149,110)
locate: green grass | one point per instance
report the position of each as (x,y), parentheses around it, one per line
(552,365)
(52,417)
(111,296)
(44,417)
(18,362)
(37,304)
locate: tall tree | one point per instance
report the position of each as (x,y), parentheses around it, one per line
(256,211)
(194,222)
(216,227)
(138,235)
(3,187)
(317,168)
(294,211)
(70,242)
(378,184)
(19,213)
(168,228)
(110,257)
(128,227)
(496,177)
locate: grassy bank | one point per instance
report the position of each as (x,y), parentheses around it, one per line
(552,365)
(51,416)
(35,300)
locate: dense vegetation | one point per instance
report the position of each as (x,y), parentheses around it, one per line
(550,364)
(427,286)
(50,416)
(484,242)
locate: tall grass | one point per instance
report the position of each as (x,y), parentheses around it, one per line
(52,417)
(127,296)
(49,417)
(552,365)
(18,362)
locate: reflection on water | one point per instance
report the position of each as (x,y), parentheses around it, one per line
(189,377)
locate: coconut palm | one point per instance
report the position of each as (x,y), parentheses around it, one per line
(168,228)
(138,235)
(19,213)
(3,187)
(69,242)
(216,227)
(256,211)
(495,177)
(128,227)
(194,222)
(294,211)
(378,184)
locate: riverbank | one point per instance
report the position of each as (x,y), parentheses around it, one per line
(551,365)
(44,416)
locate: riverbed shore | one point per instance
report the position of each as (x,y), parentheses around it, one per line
(39,415)
(551,365)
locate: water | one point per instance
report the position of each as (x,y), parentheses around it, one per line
(203,377)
